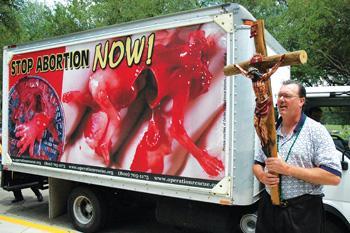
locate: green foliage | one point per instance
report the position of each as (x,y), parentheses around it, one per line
(321,28)
(33,22)
(39,21)
(336,115)
(337,120)
(111,12)
(9,28)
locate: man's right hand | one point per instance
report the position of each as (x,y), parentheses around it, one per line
(268,179)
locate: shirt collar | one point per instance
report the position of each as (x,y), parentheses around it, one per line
(297,128)
(300,123)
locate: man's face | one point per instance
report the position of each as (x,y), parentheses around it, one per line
(288,101)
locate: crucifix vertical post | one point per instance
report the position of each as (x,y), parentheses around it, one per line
(271,147)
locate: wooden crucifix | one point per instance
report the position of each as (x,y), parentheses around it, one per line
(257,69)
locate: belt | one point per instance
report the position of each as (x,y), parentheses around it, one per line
(296,200)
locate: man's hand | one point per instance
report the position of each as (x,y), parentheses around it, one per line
(277,165)
(268,179)
(314,175)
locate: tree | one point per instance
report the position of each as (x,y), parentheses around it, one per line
(110,12)
(9,27)
(40,21)
(320,27)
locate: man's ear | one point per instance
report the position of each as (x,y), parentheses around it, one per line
(302,101)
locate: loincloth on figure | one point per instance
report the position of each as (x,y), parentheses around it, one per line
(260,119)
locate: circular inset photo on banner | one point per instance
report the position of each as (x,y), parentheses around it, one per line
(36,124)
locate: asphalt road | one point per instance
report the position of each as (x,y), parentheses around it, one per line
(138,220)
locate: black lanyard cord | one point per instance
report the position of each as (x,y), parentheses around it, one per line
(289,152)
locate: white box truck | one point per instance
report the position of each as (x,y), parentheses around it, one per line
(140,109)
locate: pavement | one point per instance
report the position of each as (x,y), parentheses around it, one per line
(29,216)
(18,225)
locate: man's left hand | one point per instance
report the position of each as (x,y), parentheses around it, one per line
(277,165)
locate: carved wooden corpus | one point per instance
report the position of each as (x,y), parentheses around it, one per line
(257,69)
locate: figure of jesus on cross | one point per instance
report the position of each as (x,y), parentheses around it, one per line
(259,69)
(261,90)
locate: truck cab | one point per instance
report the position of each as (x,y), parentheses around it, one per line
(331,107)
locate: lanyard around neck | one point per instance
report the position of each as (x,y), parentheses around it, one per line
(290,150)
(295,139)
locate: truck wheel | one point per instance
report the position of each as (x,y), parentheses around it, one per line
(86,209)
(248,223)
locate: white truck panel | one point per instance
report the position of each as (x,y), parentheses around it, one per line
(238,185)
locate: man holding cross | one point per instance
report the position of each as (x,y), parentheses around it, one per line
(295,159)
(307,159)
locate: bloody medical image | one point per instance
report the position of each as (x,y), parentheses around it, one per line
(155,101)
(35,120)
(161,115)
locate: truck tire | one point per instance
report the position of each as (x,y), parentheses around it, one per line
(86,209)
